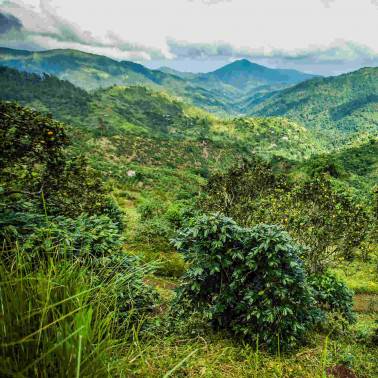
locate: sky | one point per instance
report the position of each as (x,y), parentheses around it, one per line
(318,36)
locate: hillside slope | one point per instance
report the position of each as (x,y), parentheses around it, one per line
(137,128)
(244,75)
(355,165)
(337,107)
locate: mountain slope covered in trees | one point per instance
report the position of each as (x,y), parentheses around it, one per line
(339,107)
(217,91)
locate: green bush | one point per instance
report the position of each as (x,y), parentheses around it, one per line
(332,295)
(85,236)
(149,208)
(158,224)
(248,281)
(38,175)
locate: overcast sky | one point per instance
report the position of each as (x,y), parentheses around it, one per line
(321,36)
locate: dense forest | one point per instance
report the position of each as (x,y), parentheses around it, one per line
(142,235)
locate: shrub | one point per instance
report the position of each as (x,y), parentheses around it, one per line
(333,296)
(159,224)
(85,236)
(149,208)
(38,175)
(115,213)
(155,232)
(248,281)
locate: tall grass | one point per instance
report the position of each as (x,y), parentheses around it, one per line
(61,318)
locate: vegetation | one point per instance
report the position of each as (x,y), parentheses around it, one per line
(219,91)
(316,212)
(338,108)
(95,186)
(250,281)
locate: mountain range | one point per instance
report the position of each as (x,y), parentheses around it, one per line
(220,91)
(281,113)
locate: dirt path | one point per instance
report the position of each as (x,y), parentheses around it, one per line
(366,303)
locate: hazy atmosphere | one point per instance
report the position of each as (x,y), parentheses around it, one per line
(317,36)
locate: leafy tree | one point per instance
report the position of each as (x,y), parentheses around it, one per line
(37,175)
(314,212)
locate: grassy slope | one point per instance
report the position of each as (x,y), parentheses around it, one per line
(338,107)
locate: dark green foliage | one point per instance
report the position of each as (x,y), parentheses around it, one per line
(325,165)
(28,138)
(39,177)
(68,292)
(159,223)
(77,189)
(83,237)
(249,281)
(332,295)
(44,91)
(253,178)
(355,164)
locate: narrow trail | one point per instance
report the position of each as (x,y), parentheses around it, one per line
(366,303)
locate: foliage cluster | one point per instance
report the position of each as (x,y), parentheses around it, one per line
(253,282)
(315,212)
(68,293)
(38,176)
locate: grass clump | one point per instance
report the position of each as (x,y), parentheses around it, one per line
(66,319)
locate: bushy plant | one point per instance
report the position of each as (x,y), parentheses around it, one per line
(332,295)
(149,208)
(38,175)
(158,224)
(85,237)
(251,282)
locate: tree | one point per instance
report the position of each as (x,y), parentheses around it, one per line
(315,212)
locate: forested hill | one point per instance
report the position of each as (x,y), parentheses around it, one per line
(88,71)
(219,91)
(245,75)
(159,138)
(141,111)
(339,107)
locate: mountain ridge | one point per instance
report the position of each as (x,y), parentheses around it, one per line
(211,91)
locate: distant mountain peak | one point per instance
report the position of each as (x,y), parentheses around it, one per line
(243,73)
(240,64)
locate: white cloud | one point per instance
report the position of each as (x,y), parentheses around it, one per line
(311,31)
